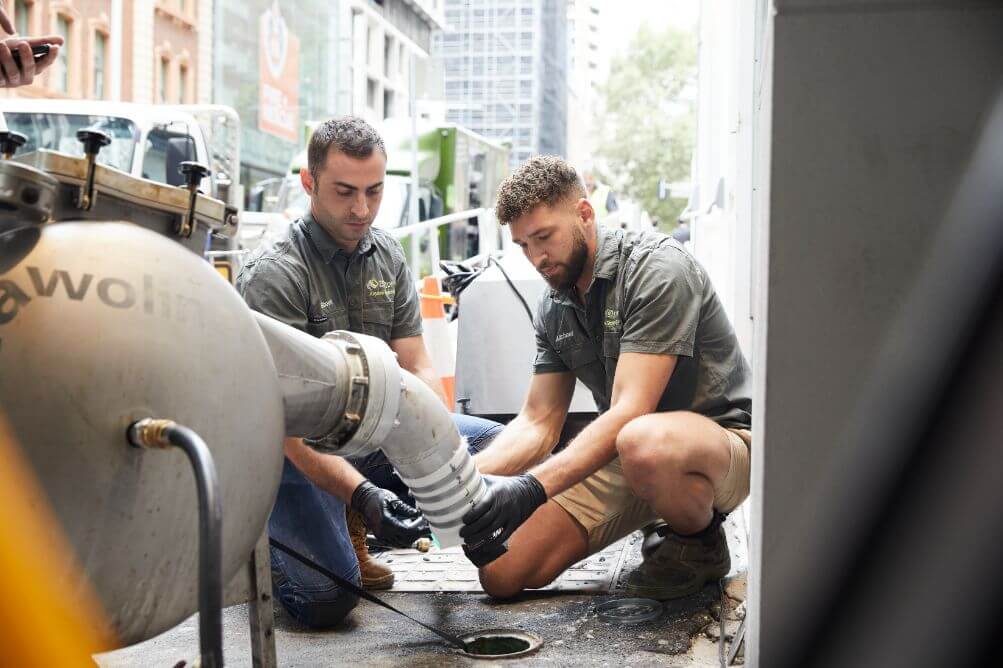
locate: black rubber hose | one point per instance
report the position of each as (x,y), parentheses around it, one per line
(529,311)
(210,543)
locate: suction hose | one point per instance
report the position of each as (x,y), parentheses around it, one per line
(162,434)
(346,395)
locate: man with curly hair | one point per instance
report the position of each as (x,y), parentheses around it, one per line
(635,318)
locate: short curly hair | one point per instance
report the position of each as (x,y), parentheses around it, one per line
(348,134)
(543,179)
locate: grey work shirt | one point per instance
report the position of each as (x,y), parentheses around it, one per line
(648,295)
(304,279)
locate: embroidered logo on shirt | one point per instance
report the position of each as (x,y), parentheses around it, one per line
(326,306)
(565,335)
(612,322)
(380,288)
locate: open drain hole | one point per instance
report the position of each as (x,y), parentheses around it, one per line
(497,646)
(501,643)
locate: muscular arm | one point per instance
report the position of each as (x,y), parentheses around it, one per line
(332,474)
(413,357)
(532,435)
(639,382)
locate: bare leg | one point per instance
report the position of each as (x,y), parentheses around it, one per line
(541,549)
(674,461)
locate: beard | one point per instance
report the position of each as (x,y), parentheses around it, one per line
(565,274)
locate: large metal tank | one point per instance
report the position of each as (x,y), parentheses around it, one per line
(105,323)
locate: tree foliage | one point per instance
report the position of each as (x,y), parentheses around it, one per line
(647,121)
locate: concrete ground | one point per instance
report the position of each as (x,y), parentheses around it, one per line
(684,635)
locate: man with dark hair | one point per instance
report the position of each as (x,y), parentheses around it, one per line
(332,270)
(635,318)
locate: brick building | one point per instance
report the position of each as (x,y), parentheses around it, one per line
(122,50)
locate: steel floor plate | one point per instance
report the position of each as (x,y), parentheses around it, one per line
(603,573)
(449,570)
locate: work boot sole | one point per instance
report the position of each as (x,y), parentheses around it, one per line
(668,594)
(677,566)
(377,583)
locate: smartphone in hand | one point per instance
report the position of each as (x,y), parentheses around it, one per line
(40,51)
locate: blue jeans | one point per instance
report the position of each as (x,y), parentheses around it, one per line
(312,522)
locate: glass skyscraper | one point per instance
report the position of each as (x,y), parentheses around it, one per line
(504,72)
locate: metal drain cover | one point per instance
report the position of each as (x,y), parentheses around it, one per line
(629,610)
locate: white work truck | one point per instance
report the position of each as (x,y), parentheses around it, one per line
(148,141)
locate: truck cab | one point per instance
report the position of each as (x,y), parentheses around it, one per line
(147,141)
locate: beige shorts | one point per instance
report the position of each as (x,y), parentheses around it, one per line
(606,507)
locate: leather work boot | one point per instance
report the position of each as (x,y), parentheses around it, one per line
(374,574)
(653,533)
(675,566)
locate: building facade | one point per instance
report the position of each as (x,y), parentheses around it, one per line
(283,67)
(504,72)
(286,68)
(383,40)
(148,51)
(587,68)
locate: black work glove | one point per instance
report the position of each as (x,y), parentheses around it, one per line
(391,520)
(507,504)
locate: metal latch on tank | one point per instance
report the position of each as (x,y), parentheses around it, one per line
(10,142)
(193,172)
(93,141)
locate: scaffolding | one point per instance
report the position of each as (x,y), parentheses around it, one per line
(504,65)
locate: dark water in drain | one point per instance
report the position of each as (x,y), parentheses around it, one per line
(497,646)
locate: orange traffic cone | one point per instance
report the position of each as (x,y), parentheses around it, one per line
(437,337)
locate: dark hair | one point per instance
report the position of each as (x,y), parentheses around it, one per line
(543,179)
(349,134)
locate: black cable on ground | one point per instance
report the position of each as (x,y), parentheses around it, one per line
(362,593)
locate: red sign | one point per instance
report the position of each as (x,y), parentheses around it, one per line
(278,100)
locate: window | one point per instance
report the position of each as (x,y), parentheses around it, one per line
(164,153)
(506,65)
(58,132)
(100,60)
(371,91)
(183,84)
(162,81)
(61,71)
(22,14)
(388,104)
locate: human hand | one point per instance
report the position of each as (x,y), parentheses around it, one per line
(5,22)
(508,502)
(12,76)
(390,519)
